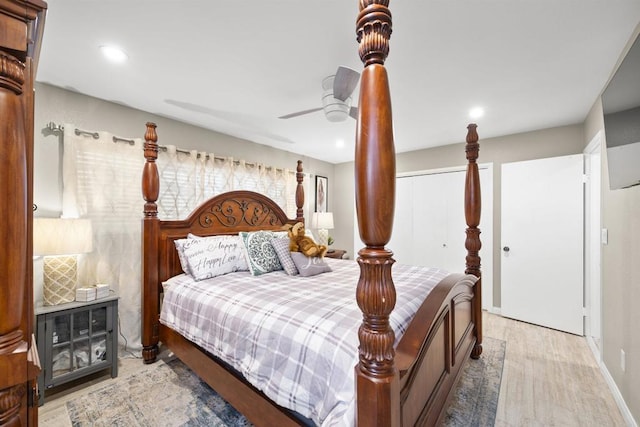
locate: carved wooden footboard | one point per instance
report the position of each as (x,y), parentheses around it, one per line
(429,359)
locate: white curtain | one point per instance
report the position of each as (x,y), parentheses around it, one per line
(102,182)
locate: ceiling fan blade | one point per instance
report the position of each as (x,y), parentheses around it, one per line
(300,113)
(353,113)
(345,82)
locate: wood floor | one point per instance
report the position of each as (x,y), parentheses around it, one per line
(550,378)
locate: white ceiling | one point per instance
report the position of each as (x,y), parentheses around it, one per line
(238,65)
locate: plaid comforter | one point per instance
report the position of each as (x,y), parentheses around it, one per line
(295,338)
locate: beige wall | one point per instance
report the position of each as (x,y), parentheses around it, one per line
(525,146)
(620,275)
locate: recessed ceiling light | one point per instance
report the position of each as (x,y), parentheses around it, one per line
(476,113)
(340,143)
(114,54)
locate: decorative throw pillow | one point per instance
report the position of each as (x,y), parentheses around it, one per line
(183,259)
(261,257)
(281,246)
(279,234)
(180,249)
(309,266)
(214,256)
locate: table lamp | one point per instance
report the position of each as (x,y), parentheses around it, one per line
(323,222)
(59,240)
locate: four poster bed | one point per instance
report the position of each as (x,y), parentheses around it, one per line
(404,352)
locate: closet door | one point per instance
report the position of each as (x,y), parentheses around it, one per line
(402,235)
(429,224)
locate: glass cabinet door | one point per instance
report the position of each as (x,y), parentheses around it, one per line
(61,345)
(81,324)
(61,328)
(61,360)
(98,321)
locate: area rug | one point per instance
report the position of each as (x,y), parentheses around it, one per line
(475,399)
(167,393)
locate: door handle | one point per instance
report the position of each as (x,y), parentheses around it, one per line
(506,249)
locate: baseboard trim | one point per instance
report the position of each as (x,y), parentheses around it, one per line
(495,310)
(617,396)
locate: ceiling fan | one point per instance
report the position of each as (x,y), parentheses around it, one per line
(336,98)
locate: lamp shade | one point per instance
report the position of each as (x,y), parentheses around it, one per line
(322,220)
(62,236)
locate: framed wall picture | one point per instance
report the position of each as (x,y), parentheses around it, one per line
(322,191)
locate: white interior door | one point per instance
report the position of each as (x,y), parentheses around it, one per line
(542,241)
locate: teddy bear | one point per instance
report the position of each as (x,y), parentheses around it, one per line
(299,242)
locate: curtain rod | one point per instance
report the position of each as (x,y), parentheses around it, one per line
(53,127)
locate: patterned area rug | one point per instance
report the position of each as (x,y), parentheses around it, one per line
(475,398)
(181,399)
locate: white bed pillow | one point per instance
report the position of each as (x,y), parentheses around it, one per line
(309,266)
(260,255)
(214,256)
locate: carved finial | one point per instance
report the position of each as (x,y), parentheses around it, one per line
(472,147)
(373,31)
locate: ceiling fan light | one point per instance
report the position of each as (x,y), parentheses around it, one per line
(335,110)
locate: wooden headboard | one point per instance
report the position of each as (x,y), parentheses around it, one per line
(227,213)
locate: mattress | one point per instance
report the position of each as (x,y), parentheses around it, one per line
(294,338)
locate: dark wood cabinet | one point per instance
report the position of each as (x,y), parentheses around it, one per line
(336,253)
(21,25)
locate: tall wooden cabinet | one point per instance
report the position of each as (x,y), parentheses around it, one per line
(21,26)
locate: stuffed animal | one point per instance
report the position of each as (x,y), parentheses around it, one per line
(299,242)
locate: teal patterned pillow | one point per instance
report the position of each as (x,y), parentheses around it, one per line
(261,256)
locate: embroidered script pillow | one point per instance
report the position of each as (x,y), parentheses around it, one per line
(180,249)
(183,258)
(214,256)
(309,266)
(261,257)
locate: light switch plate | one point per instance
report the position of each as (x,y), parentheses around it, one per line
(604,238)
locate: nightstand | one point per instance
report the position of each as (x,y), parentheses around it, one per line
(336,253)
(76,339)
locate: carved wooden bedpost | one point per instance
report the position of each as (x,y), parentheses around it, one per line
(472,208)
(150,191)
(299,193)
(377,384)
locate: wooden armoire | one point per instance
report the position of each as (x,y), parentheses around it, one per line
(21,26)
